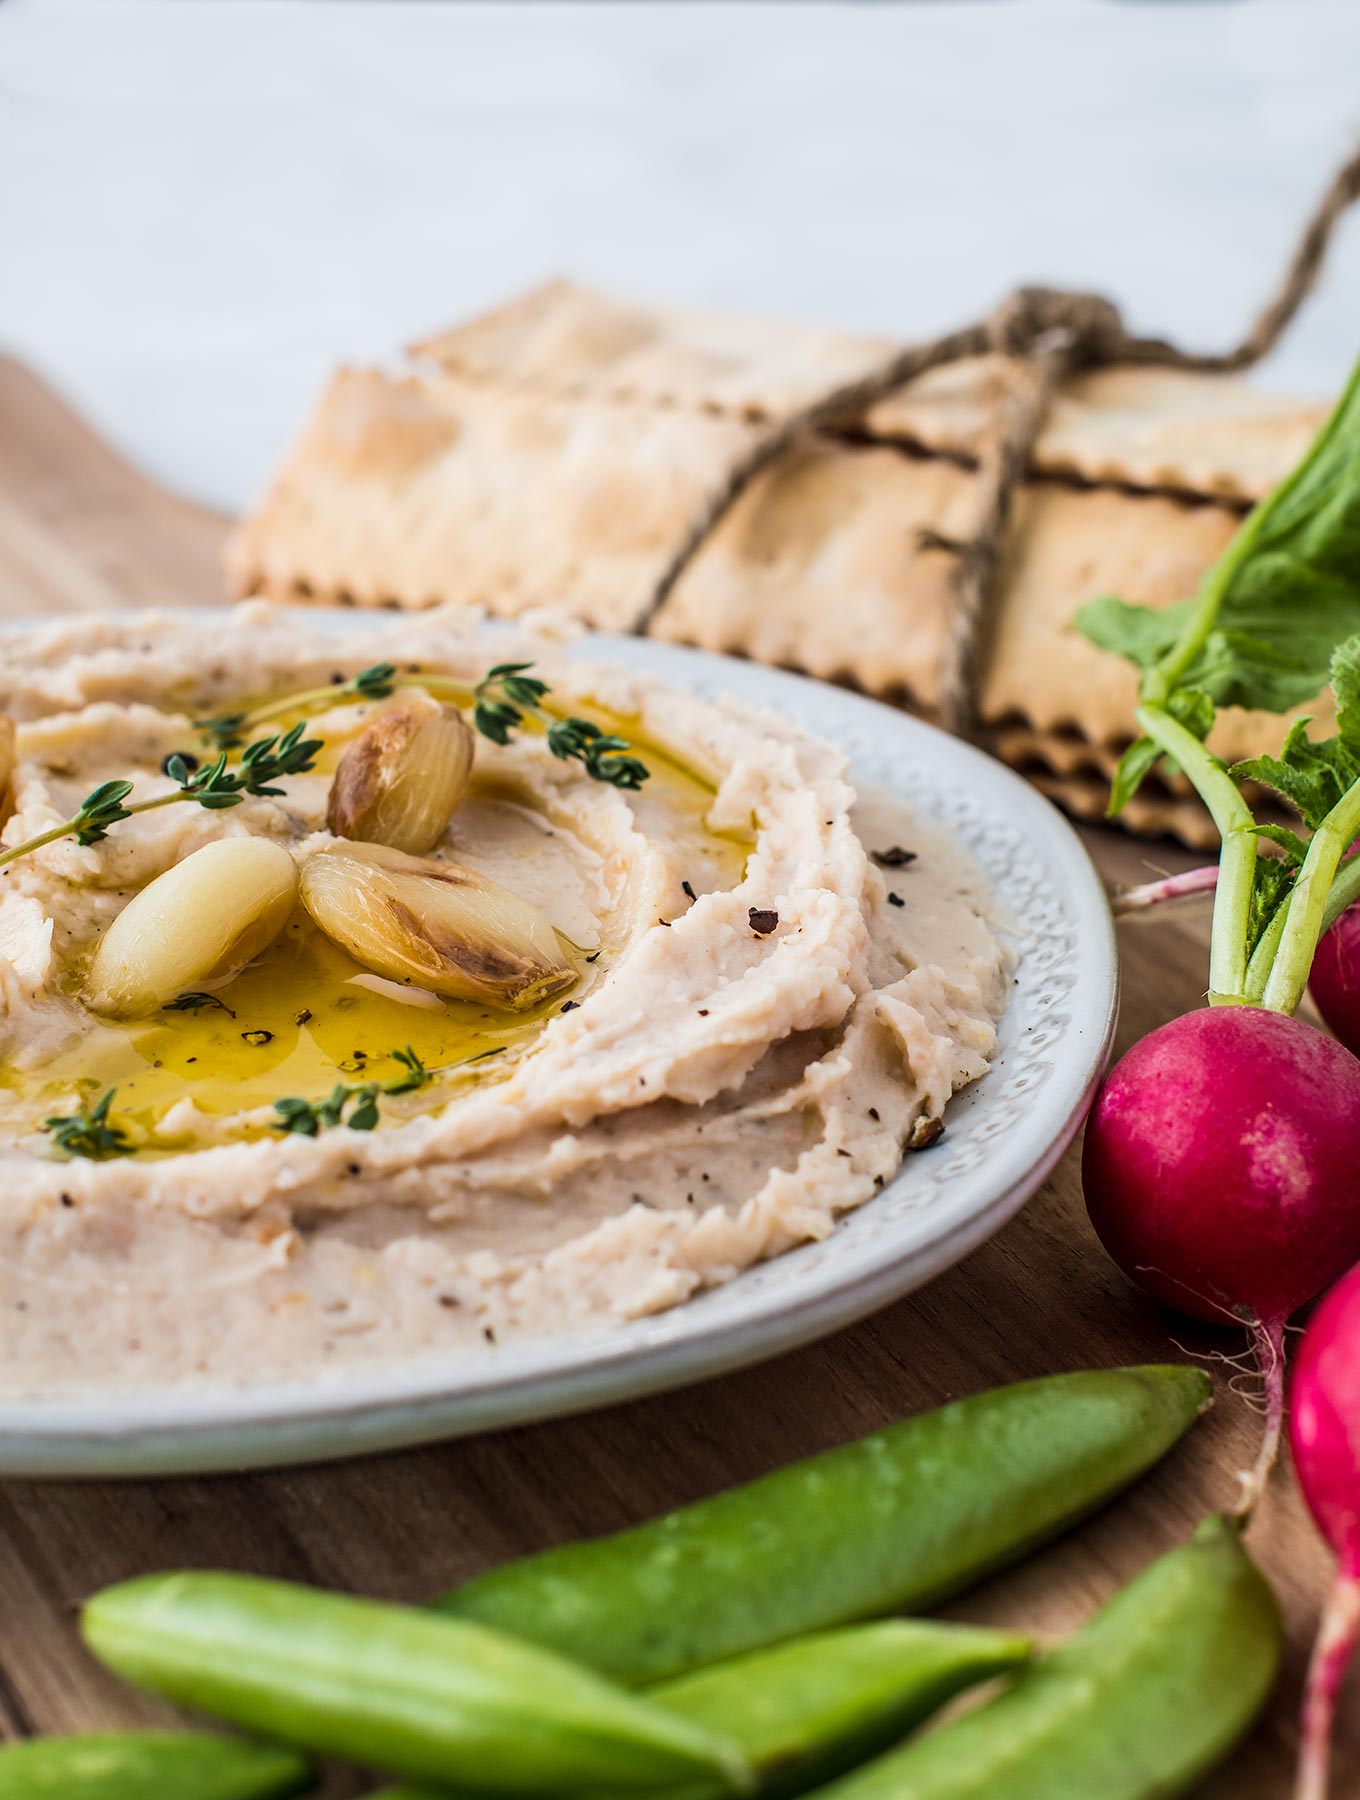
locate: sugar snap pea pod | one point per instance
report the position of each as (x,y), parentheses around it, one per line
(890,1523)
(137,1765)
(426,1698)
(1138,1706)
(803,1711)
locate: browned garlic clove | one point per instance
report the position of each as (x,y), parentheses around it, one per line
(435,925)
(201,920)
(403,777)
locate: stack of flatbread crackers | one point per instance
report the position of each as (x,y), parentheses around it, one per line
(552,453)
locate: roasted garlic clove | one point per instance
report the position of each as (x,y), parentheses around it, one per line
(434,925)
(200,921)
(402,778)
(9,759)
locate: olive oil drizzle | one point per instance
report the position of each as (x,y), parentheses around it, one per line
(305,1016)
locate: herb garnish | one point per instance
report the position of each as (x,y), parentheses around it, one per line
(311,1117)
(500,703)
(194,1002)
(215,786)
(415,1074)
(374,683)
(1274,619)
(308,1117)
(89,1133)
(506,694)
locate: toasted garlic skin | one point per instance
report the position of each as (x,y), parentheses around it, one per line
(9,757)
(200,921)
(434,925)
(403,777)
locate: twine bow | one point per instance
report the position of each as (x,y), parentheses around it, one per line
(1047,334)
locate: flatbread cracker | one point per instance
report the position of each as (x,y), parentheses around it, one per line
(409,493)
(1155,429)
(576,341)
(552,454)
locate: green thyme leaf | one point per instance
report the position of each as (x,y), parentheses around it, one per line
(194,1002)
(415,1074)
(373,683)
(364,1116)
(309,1118)
(225,731)
(506,695)
(89,1133)
(99,810)
(495,720)
(296,1115)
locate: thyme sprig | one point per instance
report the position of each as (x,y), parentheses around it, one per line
(507,694)
(88,1133)
(309,1118)
(216,785)
(414,1073)
(232,729)
(194,1002)
(502,702)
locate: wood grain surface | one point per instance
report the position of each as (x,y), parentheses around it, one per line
(78,529)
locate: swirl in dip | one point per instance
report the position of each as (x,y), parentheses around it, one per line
(760,990)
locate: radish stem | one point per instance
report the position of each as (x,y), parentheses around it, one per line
(1344,892)
(1237,865)
(1308,903)
(1338,1634)
(1166,675)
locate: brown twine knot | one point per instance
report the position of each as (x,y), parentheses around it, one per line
(1086,327)
(1046,334)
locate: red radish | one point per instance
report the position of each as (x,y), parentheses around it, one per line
(1335,979)
(1220,1173)
(1324,1433)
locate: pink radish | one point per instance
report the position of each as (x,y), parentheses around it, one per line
(1335,979)
(1324,1433)
(1220,1173)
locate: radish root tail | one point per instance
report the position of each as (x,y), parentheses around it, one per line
(1139,902)
(1338,1634)
(1267,1341)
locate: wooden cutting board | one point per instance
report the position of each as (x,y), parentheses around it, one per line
(79,529)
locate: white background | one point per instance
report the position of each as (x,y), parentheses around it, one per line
(205,203)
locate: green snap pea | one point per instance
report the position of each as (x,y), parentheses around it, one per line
(890,1523)
(802,1712)
(1138,1706)
(148,1765)
(422,1697)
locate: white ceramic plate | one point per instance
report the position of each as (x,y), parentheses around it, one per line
(1004,1135)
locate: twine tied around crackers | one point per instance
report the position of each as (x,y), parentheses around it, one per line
(1047,335)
